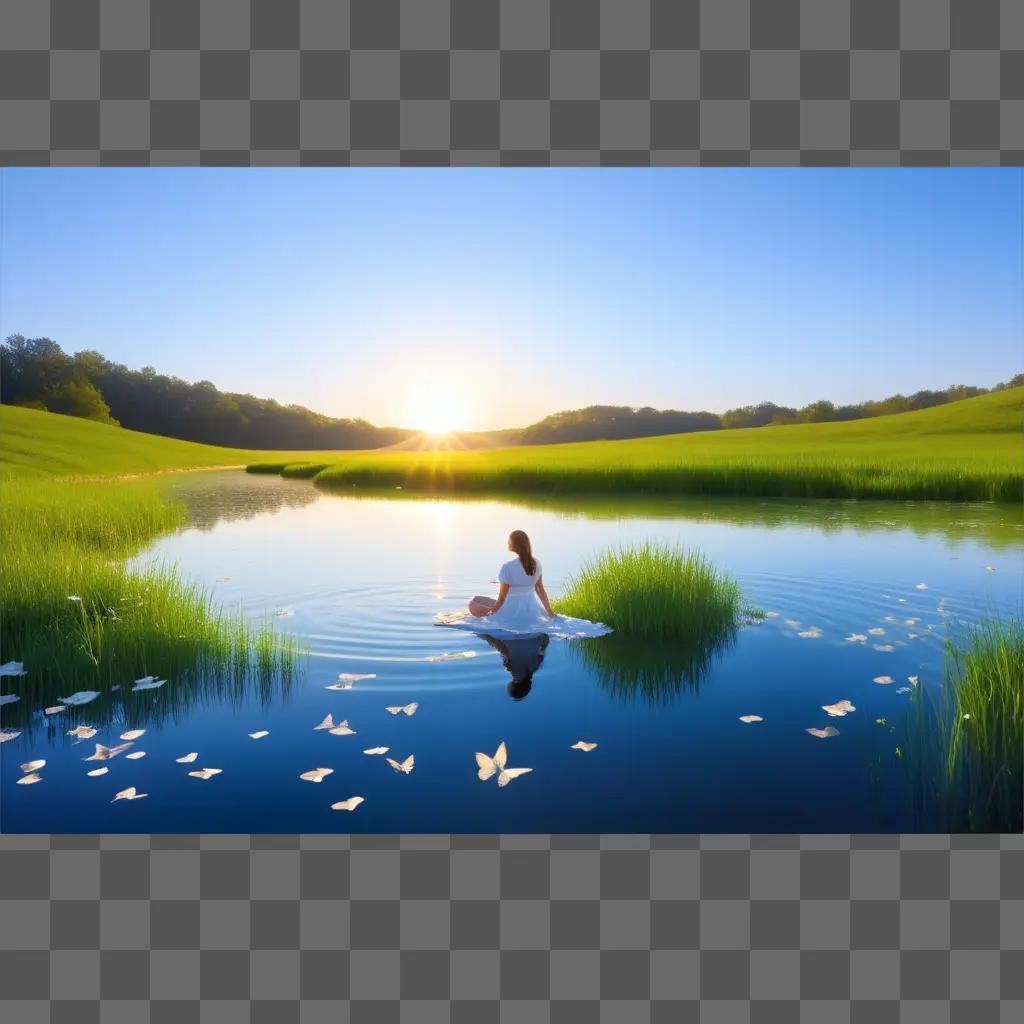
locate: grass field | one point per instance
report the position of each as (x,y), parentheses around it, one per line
(969,450)
(34,443)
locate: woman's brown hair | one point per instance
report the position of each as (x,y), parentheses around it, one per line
(520,544)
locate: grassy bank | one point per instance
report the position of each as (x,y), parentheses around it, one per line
(965,451)
(79,618)
(73,611)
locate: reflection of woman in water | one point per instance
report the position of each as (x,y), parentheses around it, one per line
(522,656)
(522,606)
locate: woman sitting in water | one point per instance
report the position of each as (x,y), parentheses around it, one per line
(522,606)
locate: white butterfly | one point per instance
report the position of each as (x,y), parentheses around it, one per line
(129,794)
(206,773)
(347,805)
(327,723)
(342,729)
(409,709)
(489,765)
(33,766)
(405,767)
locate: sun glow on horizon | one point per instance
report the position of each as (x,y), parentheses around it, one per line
(437,409)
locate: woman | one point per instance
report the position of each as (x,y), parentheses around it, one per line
(522,606)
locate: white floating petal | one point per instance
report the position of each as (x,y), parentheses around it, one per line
(823,734)
(188,758)
(133,734)
(317,774)
(135,756)
(355,677)
(13,668)
(8,734)
(511,773)
(347,805)
(129,794)
(884,648)
(327,723)
(259,735)
(148,683)
(856,638)
(55,710)
(921,586)
(206,773)
(747,719)
(839,709)
(98,771)
(10,698)
(33,766)
(342,729)
(377,750)
(83,732)
(583,745)
(883,680)
(27,780)
(877,631)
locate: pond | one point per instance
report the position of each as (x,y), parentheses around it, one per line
(360,577)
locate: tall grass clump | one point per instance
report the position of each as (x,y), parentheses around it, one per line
(964,742)
(985,673)
(79,617)
(654,591)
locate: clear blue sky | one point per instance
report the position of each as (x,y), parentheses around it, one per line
(513,293)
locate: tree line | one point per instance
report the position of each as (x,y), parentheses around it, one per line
(37,373)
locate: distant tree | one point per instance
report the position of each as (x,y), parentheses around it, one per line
(818,412)
(755,415)
(77,397)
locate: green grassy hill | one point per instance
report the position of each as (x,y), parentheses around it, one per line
(968,450)
(47,444)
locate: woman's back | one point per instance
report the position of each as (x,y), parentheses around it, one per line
(516,576)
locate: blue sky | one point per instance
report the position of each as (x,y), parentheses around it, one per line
(506,294)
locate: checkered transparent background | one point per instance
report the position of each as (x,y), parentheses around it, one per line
(530,82)
(480,929)
(381,929)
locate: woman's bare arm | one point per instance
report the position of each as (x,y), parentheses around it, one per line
(543,595)
(502,594)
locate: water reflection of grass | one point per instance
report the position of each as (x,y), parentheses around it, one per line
(78,618)
(964,746)
(629,668)
(1000,526)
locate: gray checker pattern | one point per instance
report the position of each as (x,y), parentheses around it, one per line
(561,929)
(514,82)
(523,929)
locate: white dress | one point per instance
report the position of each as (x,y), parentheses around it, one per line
(522,614)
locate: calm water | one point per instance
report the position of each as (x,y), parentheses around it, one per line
(361,578)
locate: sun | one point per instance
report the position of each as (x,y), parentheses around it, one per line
(437,409)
